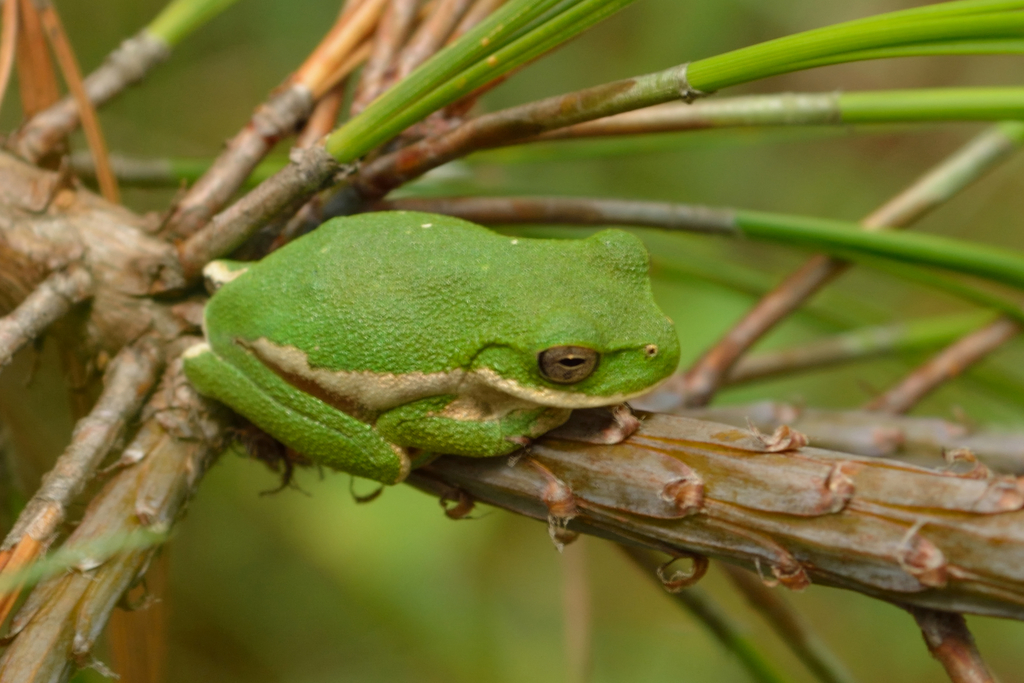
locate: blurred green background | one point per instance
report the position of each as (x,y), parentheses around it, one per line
(308,586)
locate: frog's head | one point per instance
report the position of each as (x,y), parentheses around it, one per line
(588,332)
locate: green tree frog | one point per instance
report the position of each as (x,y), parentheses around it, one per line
(383,337)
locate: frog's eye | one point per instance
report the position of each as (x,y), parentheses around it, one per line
(567,364)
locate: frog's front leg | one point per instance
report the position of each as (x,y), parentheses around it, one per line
(467,425)
(298,420)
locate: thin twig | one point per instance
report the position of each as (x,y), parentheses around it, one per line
(73,77)
(128,380)
(714,618)
(50,301)
(790,626)
(698,385)
(573,211)
(950,642)
(577,624)
(509,125)
(392,32)
(325,114)
(945,365)
(923,439)
(938,539)
(37,81)
(791,109)
(474,15)
(351,29)
(310,171)
(124,67)
(64,616)
(8,45)
(729,222)
(853,345)
(276,118)
(323,119)
(271,121)
(431,35)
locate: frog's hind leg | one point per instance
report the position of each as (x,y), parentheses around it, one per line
(307,425)
(443,424)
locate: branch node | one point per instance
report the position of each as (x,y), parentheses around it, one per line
(680,580)
(922,559)
(783,439)
(686,91)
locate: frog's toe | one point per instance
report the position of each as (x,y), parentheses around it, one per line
(604,426)
(405,463)
(521,441)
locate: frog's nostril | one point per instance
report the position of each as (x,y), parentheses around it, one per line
(651,350)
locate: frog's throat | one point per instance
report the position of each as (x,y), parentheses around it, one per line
(368,392)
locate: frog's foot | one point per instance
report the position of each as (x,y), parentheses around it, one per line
(603,426)
(558,498)
(272,453)
(407,459)
(405,462)
(463,504)
(360,499)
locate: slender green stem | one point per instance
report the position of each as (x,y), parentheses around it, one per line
(845,239)
(937,23)
(349,141)
(992,46)
(934,280)
(703,607)
(492,49)
(940,104)
(181,17)
(859,344)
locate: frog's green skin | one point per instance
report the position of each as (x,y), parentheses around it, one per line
(385,332)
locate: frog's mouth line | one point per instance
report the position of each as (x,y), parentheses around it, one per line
(552,397)
(363,394)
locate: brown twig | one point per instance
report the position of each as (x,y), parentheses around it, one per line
(509,125)
(73,77)
(271,121)
(318,72)
(431,35)
(790,109)
(37,80)
(950,642)
(322,120)
(713,617)
(474,15)
(325,114)
(577,624)
(129,378)
(392,31)
(790,626)
(888,529)
(572,211)
(138,638)
(845,347)
(49,302)
(60,622)
(700,382)
(275,119)
(8,45)
(310,171)
(122,68)
(924,439)
(945,365)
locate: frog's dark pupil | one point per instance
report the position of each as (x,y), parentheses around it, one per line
(567,364)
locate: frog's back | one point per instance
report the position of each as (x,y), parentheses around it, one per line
(388,292)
